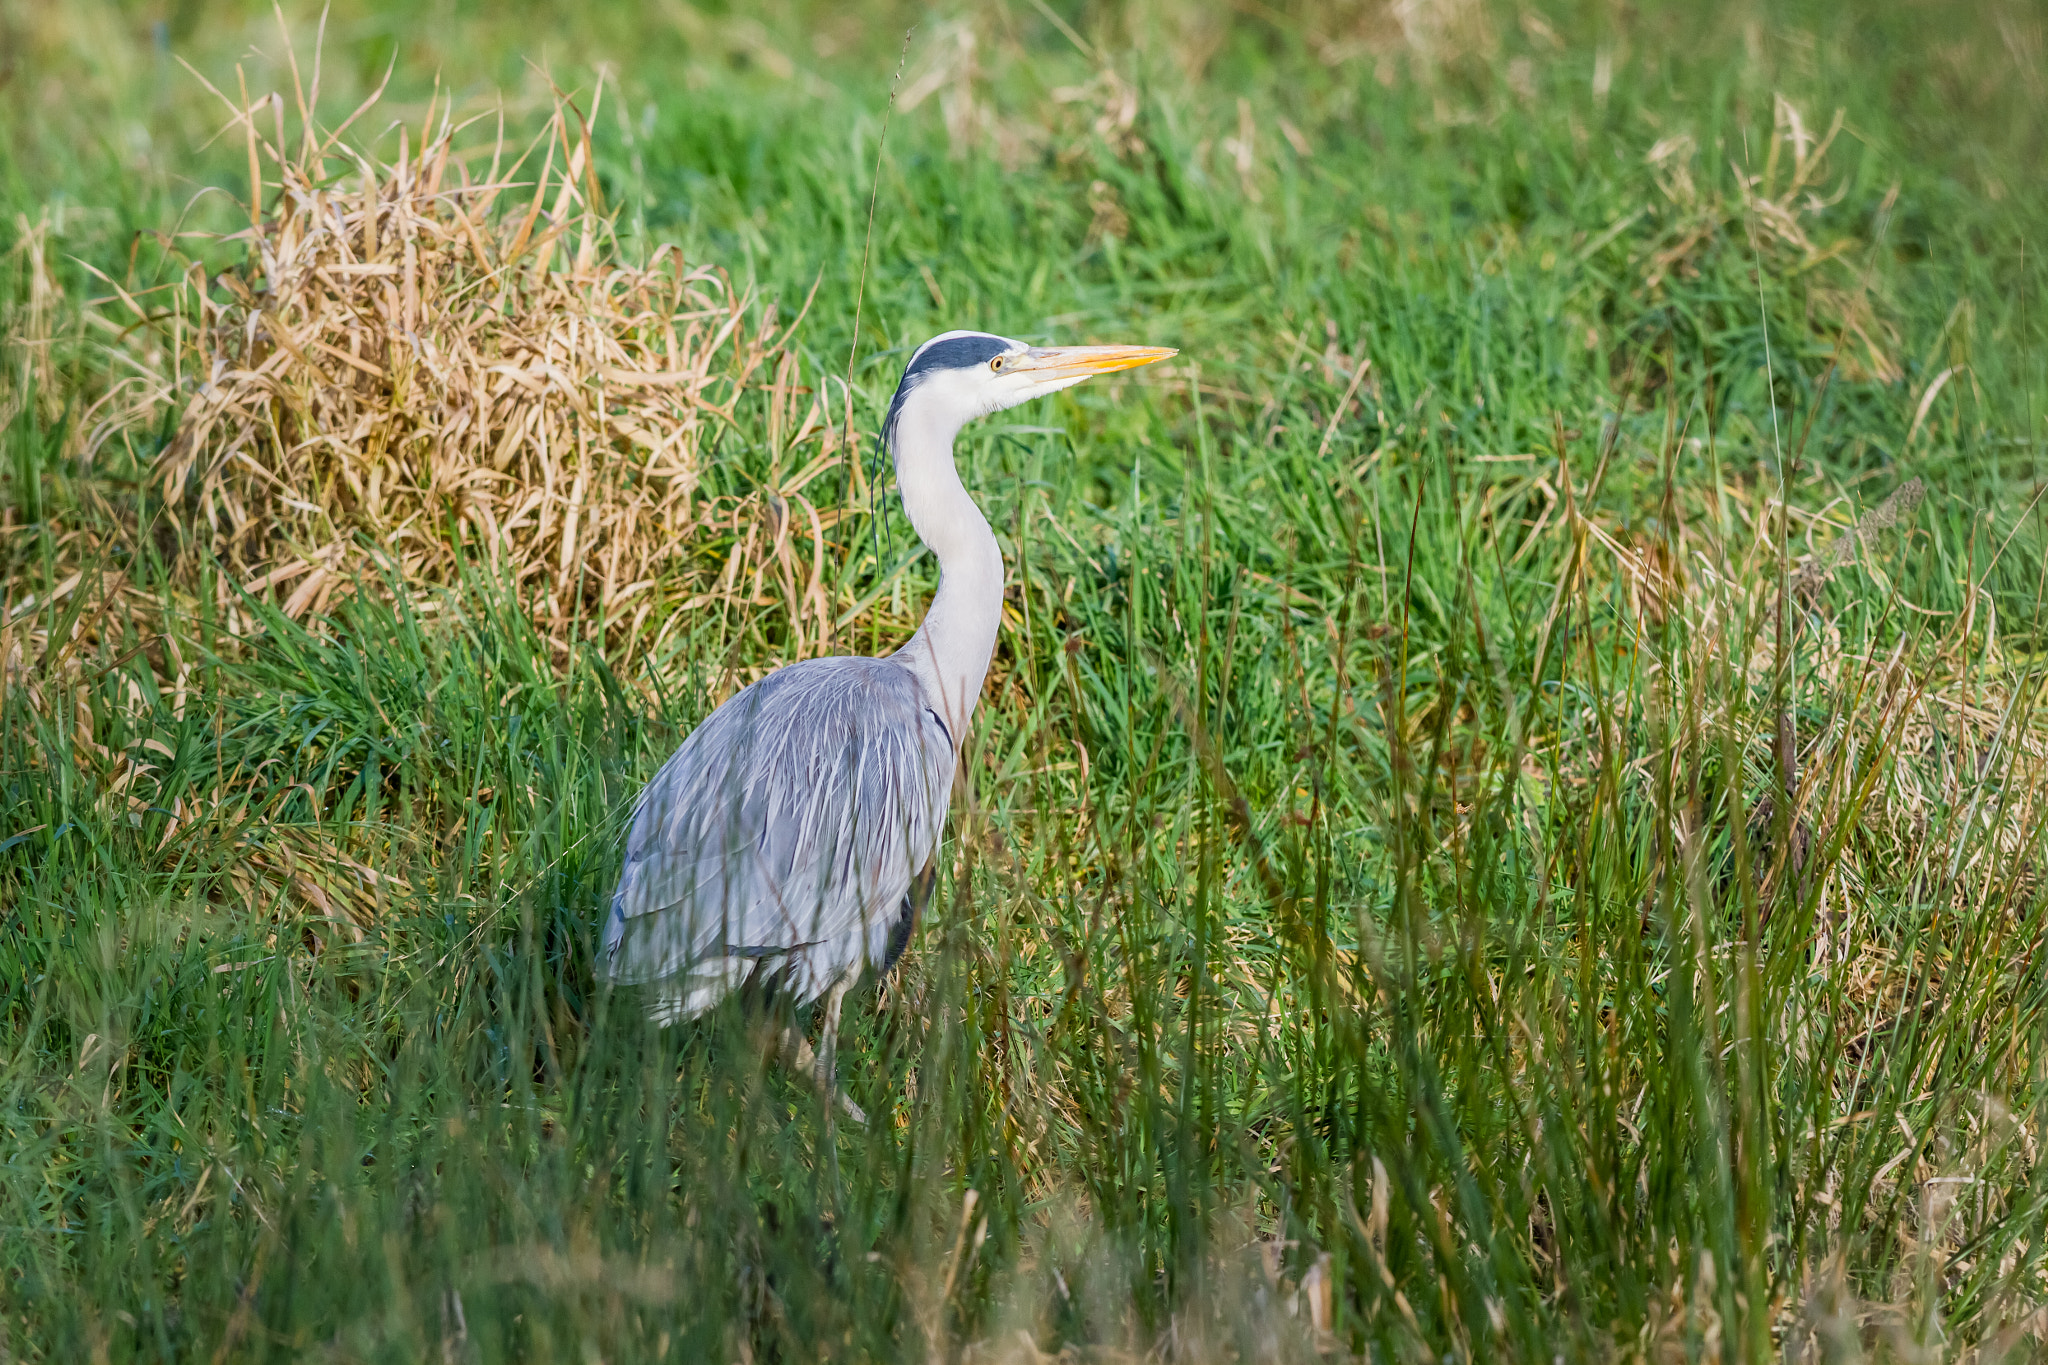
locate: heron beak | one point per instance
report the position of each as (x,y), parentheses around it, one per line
(1080,362)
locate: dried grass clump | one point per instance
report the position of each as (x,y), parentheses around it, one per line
(443,365)
(1773,219)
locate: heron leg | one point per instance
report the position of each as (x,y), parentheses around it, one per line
(828,1061)
(820,1066)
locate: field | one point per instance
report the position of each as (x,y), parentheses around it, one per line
(1507,821)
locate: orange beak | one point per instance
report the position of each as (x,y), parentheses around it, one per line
(1079,362)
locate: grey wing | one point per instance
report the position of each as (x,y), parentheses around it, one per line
(783,835)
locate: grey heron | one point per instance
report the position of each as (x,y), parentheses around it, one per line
(789,842)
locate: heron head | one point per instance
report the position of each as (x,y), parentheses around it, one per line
(959,376)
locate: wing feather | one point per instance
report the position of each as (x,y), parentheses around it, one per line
(783,835)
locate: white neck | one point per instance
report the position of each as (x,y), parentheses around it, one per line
(950,652)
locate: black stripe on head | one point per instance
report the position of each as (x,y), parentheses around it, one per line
(954,353)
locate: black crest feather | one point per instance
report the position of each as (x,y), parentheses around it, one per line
(954,353)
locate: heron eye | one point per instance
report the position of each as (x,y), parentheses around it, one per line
(996,364)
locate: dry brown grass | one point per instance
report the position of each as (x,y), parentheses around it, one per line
(433,361)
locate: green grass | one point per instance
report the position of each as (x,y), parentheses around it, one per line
(1373,871)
